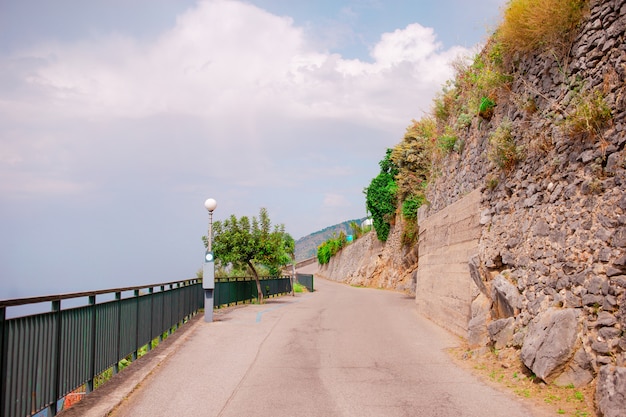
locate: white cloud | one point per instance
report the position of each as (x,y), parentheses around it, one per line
(229,85)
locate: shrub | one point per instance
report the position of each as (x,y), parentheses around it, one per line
(446,142)
(411,204)
(413,157)
(329,248)
(530,25)
(502,149)
(380,197)
(591,114)
(485,110)
(484,77)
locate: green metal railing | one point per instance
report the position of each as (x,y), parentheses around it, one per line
(241,289)
(46,356)
(306,280)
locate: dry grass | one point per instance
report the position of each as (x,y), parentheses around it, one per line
(530,25)
(504,370)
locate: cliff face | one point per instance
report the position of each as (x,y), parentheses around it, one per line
(552,251)
(550,265)
(368,262)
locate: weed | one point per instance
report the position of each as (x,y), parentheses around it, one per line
(463,121)
(446,142)
(492,183)
(551,398)
(502,149)
(591,114)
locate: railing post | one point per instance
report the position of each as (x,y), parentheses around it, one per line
(56,366)
(92,347)
(136,352)
(118,299)
(3,361)
(162,312)
(151,292)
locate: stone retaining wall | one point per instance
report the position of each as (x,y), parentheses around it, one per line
(551,261)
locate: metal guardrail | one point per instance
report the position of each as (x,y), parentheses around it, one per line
(241,289)
(306,280)
(46,356)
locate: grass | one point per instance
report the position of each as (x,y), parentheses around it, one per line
(502,149)
(591,114)
(535,25)
(504,370)
(297,287)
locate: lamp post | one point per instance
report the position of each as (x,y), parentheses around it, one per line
(208,268)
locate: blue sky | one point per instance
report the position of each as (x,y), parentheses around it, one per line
(119,118)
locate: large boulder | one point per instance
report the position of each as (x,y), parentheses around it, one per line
(611,391)
(578,371)
(550,342)
(507,301)
(501,332)
(477,335)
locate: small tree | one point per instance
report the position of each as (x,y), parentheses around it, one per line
(248,244)
(380,196)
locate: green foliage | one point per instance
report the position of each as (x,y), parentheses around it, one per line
(243,243)
(330,248)
(483,78)
(502,149)
(411,204)
(447,141)
(485,110)
(297,287)
(380,197)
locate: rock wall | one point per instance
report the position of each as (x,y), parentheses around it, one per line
(368,262)
(552,252)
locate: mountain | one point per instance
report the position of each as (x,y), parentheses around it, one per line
(306,247)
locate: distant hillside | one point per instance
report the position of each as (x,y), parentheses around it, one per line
(306,247)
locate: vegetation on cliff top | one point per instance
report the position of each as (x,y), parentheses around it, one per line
(470,99)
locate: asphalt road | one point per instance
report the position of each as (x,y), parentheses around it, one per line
(341,351)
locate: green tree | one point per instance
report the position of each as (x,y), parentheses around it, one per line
(380,197)
(245,243)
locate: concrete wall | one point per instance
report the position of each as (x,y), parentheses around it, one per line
(447,239)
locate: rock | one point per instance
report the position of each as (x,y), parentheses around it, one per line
(550,342)
(606,319)
(611,391)
(578,372)
(474,263)
(506,298)
(477,334)
(501,332)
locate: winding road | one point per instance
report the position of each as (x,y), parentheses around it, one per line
(340,351)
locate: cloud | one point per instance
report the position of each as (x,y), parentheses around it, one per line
(110,144)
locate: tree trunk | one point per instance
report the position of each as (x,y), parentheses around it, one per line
(258,282)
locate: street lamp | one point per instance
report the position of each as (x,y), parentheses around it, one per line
(210,204)
(208,268)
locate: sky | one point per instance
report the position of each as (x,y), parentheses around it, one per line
(119,118)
